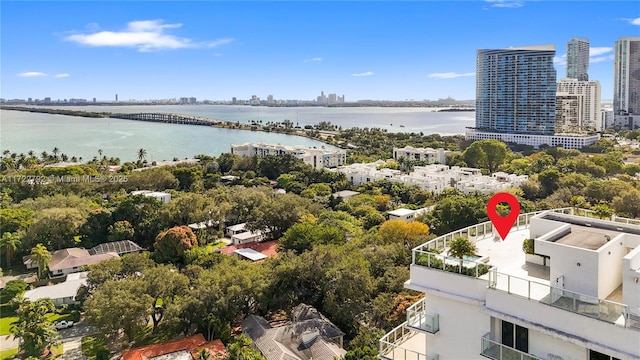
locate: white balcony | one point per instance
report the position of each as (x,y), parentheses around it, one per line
(494,350)
(405,343)
(420,319)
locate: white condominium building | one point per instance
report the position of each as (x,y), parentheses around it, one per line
(318,158)
(585,97)
(574,295)
(435,177)
(431,156)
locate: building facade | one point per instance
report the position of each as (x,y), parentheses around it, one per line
(578,59)
(575,293)
(587,100)
(429,155)
(318,158)
(626,82)
(516,90)
(565,141)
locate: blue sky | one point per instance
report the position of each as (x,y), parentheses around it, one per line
(292,50)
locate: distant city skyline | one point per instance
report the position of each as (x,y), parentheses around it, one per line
(289,50)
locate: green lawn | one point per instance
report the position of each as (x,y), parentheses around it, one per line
(211,247)
(8,354)
(5,324)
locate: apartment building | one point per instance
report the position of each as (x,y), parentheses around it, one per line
(575,294)
(430,155)
(318,158)
(434,177)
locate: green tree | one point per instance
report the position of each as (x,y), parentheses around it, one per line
(170,245)
(165,285)
(142,155)
(56,227)
(9,243)
(628,203)
(302,237)
(41,256)
(34,329)
(120,230)
(489,154)
(242,349)
(12,290)
(95,229)
(119,305)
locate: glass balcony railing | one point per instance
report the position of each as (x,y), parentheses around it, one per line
(404,343)
(605,310)
(419,318)
(494,350)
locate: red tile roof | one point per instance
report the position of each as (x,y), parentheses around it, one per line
(269,248)
(192,343)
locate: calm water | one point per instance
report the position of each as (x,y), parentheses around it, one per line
(78,136)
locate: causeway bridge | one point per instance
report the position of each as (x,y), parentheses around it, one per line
(167,118)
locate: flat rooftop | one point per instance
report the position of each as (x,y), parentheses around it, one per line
(587,237)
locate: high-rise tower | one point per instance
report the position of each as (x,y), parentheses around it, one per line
(578,59)
(516,90)
(626,78)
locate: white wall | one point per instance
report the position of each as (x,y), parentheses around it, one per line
(610,266)
(631,272)
(579,267)
(539,226)
(462,326)
(424,279)
(546,347)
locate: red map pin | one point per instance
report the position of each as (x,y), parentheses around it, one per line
(503,223)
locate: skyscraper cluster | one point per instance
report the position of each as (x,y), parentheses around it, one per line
(518,99)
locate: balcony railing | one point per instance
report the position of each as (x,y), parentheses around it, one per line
(398,345)
(497,351)
(605,310)
(419,318)
(452,264)
(474,233)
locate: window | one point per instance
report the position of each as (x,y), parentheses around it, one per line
(594,355)
(515,336)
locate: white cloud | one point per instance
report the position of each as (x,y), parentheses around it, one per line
(505,3)
(598,59)
(560,60)
(635,21)
(147,35)
(595,56)
(62,75)
(595,51)
(32,74)
(315,59)
(368,73)
(450,75)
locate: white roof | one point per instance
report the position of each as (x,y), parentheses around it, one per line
(250,254)
(246,235)
(401,212)
(345,193)
(62,290)
(237,227)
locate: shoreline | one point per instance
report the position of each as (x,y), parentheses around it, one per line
(279,128)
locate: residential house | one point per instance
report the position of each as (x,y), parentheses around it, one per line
(61,293)
(178,349)
(71,260)
(309,336)
(158,195)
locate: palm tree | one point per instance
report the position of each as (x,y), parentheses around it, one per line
(142,154)
(460,247)
(64,157)
(31,153)
(41,256)
(55,152)
(9,243)
(45,156)
(100,152)
(6,153)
